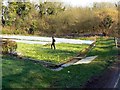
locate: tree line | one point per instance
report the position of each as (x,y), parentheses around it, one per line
(54,18)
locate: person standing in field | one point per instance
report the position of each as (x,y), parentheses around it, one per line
(53,43)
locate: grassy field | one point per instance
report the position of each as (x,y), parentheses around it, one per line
(40,52)
(105,49)
(26,74)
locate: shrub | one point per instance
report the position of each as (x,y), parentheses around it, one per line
(8,46)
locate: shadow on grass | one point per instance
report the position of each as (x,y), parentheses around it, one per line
(31,75)
(24,74)
(35,76)
(106,42)
(104,48)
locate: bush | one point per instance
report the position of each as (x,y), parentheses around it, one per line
(8,46)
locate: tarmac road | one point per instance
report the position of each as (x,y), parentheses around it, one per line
(44,40)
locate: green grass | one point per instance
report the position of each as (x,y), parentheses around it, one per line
(26,74)
(62,53)
(80,74)
(105,49)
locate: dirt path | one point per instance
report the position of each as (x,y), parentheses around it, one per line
(109,79)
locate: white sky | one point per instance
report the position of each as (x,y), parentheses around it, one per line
(86,2)
(79,2)
(76,2)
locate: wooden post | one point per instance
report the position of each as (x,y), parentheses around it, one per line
(115,39)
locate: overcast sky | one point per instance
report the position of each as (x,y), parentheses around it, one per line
(79,2)
(76,2)
(86,2)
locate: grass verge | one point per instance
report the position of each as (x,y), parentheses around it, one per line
(26,74)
